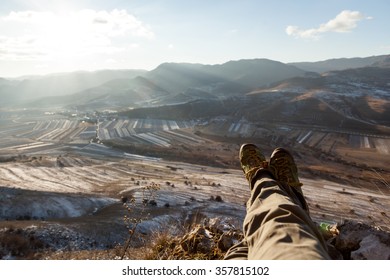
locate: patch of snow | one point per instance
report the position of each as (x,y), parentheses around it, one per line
(140,157)
(40,205)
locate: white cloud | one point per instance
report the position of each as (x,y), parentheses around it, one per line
(35,35)
(29,17)
(20,48)
(41,66)
(345,21)
(111,61)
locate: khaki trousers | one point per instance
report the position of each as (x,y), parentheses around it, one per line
(276,227)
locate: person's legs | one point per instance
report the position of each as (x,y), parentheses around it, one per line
(276,225)
(238,251)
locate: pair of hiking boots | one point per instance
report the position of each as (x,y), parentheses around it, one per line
(281,167)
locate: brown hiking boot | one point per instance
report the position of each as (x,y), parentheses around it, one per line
(284,168)
(251,160)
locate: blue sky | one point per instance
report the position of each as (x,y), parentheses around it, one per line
(46,36)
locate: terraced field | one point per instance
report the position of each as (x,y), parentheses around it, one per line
(30,134)
(321,138)
(24,134)
(155,132)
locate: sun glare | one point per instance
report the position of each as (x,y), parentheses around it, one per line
(60,39)
(70,38)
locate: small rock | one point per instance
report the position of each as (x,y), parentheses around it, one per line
(198,240)
(371,248)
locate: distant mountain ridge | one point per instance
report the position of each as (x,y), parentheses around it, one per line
(30,89)
(139,88)
(231,77)
(344,63)
(169,83)
(354,99)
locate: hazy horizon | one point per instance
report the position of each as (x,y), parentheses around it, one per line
(42,37)
(137,69)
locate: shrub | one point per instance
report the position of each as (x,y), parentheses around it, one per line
(131,219)
(18,244)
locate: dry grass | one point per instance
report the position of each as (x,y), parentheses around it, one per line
(161,246)
(186,247)
(15,244)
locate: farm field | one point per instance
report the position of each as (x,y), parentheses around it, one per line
(27,134)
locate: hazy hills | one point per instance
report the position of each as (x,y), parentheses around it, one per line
(254,89)
(172,83)
(239,75)
(344,63)
(354,99)
(139,88)
(32,88)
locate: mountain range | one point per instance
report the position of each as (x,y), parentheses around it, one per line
(339,91)
(31,88)
(344,63)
